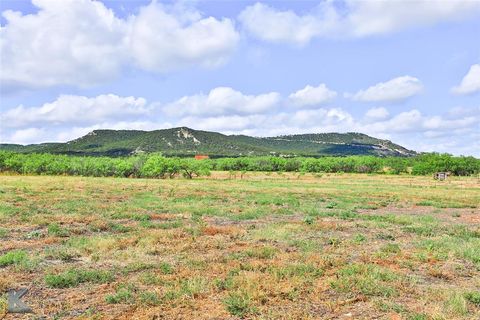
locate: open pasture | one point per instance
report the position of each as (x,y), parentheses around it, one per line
(254,246)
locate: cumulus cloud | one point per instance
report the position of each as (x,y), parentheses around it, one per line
(83,43)
(312,96)
(407,121)
(350,18)
(221,101)
(30,135)
(269,24)
(380,17)
(66,42)
(71,109)
(470,82)
(377,113)
(396,89)
(299,121)
(161,41)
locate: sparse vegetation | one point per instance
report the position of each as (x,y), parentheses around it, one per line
(74,277)
(264,246)
(14,257)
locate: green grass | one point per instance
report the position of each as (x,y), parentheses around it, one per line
(15,257)
(259,247)
(55,229)
(75,277)
(473,297)
(369,280)
(3,233)
(124,294)
(456,305)
(239,304)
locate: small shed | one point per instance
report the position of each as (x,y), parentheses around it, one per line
(201,157)
(440,176)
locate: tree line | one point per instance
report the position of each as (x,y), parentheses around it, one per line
(157,166)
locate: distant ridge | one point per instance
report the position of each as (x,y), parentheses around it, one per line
(183,141)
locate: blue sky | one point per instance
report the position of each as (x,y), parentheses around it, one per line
(405,71)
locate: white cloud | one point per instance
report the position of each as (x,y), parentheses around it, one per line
(66,42)
(312,96)
(70,109)
(29,135)
(229,111)
(396,89)
(221,101)
(453,132)
(377,113)
(350,18)
(269,24)
(407,121)
(470,82)
(72,133)
(300,121)
(381,17)
(83,43)
(161,41)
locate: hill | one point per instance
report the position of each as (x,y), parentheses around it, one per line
(184,141)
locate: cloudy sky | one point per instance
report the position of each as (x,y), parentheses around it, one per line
(408,71)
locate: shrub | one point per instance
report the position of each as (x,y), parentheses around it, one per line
(157,166)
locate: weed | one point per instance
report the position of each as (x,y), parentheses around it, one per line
(194,287)
(335,242)
(359,238)
(74,277)
(473,297)
(456,304)
(15,257)
(239,304)
(385,236)
(35,234)
(369,280)
(3,233)
(391,248)
(149,298)
(166,268)
(296,270)
(261,253)
(63,254)
(308,220)
(331,205)
(223,284)
(124,294)
(54,229)
(150,278)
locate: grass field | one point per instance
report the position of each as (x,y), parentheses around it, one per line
(261,246)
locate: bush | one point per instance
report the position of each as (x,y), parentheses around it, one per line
(157,166)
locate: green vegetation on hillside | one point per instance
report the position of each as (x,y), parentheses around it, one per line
(186,142)
(157,166)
